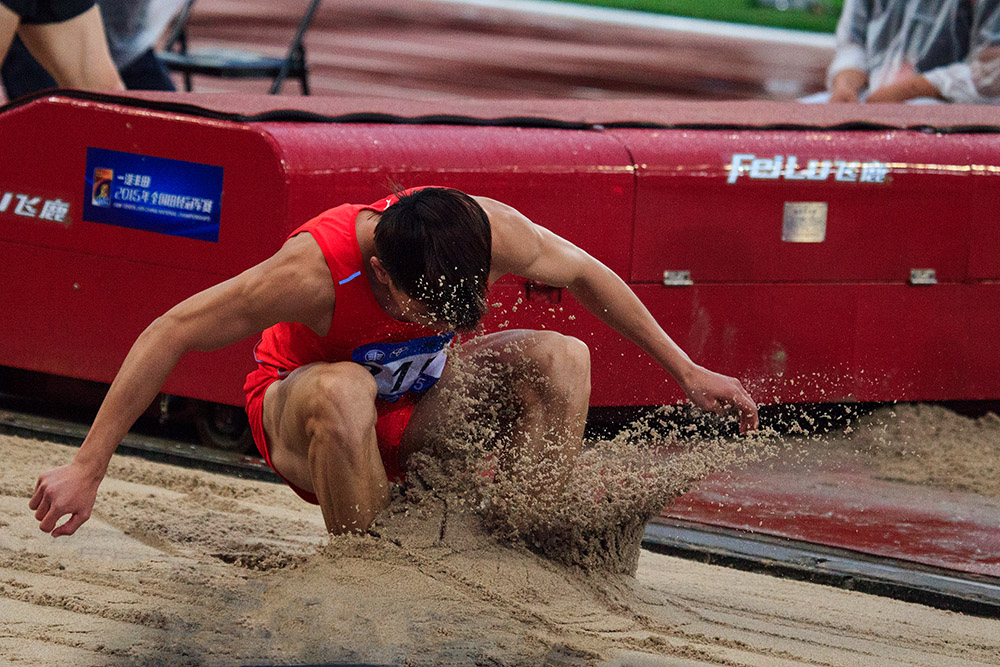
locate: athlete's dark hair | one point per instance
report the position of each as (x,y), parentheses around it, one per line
(435,243)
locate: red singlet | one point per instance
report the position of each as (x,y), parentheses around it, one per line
(405,359)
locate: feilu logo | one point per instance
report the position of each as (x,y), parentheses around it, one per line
(787,167)
(54,210)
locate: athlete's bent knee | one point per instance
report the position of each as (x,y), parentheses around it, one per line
(577,353)
(575,363)
(563,355)
(341,405)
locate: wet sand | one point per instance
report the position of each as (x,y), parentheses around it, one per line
(182,567)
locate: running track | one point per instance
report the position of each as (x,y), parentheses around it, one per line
(445,49)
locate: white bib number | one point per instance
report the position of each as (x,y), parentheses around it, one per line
(414,365)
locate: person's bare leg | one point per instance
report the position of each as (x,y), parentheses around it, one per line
(8,28)
(320,425)
(550,380)
(74,52)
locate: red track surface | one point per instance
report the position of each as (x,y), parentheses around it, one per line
(439,50)
(851,509)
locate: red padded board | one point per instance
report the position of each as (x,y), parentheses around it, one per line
(644,187)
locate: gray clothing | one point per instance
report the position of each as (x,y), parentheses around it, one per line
(134,26)
(954,44)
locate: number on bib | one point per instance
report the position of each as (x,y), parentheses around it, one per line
(413,365)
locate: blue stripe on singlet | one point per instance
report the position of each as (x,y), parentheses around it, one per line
(349,278)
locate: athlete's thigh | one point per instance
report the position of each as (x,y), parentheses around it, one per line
(485,368)
(329,392)
(75,52)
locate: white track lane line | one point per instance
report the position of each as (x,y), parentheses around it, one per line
(631,18)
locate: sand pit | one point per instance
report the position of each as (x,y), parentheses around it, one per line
(182,567)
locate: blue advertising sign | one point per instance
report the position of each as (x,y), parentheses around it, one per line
(153,194)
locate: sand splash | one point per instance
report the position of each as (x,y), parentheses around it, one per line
(927,445)
(587,510)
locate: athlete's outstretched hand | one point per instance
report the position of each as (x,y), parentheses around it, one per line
(721,394)
(69,489)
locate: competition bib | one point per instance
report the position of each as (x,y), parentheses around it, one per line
(414,365)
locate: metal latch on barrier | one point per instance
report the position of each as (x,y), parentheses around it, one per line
(677,278)
(923,277)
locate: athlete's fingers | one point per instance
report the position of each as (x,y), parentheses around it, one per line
(50,520)
(749,420)
(70,526)
(36,499)
(42,509)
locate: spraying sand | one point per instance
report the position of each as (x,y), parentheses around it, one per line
(184,567)
(930,445)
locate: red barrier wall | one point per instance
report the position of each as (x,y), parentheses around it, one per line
(800,321)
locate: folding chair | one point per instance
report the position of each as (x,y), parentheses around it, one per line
(236,64)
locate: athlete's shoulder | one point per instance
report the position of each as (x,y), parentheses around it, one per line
(499,213)
(341,215)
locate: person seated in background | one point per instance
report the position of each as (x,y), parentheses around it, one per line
(132,27)
(916,51)
(982,84)
(66,37)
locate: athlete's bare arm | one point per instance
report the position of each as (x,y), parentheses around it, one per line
(294,285)
(528,250)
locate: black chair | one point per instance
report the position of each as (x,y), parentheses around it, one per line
(236,64)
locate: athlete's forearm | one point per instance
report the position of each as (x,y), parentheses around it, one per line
(608,297)
(142,374)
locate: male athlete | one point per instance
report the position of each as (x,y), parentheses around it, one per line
(357,309)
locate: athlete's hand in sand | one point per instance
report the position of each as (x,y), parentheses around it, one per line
(721,394)
(69,489)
